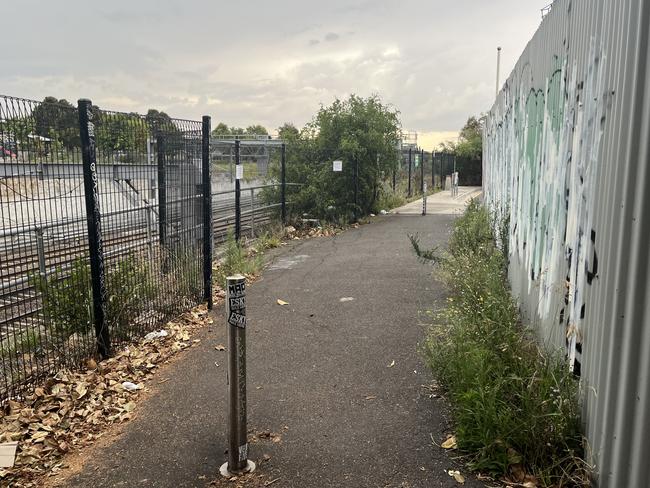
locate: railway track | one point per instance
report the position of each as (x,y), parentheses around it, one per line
(20,305)
(29,347)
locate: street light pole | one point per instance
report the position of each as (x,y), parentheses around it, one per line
(498,68)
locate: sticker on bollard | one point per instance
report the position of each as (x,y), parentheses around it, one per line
(237,303)
(236,289)
(243,452)
(237,307)
(237,320)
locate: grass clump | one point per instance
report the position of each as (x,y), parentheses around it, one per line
(236,260)
(515,405)
(268,240)
(388,200)
(67,296)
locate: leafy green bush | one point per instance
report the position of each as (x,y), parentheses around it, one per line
(67,299)
(361,132)
(67,296)
(23,342)
(515,405)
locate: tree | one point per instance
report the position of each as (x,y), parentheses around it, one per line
(221,129)
(159,121)
(124,137)
(57,120)
(358,131)
(288,132)
(468,151)
(470,140)
(256,129)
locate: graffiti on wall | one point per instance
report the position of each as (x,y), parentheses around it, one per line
(541,146)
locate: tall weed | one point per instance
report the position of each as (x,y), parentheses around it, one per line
(236,260)
(515,405)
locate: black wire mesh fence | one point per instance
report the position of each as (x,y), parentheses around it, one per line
(417,167)
(247,184)
(43,237)
(444,165)
(106,229)
(149,175)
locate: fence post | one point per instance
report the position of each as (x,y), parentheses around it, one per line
(443,161)
(162,191)
(433,170)
(252,213)
(238,170)
(356,189)
(93,220)
(283,180)
(422,171)
(237,430)
(162,202)
(410,193)
(207,210)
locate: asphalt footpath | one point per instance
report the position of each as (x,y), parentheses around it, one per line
(338,392)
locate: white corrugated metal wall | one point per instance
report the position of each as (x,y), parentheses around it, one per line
(566,152)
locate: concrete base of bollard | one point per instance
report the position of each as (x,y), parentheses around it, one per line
(250,467)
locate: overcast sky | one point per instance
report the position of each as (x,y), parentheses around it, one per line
(246,62)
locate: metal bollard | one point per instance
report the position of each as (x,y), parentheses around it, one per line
(238,461)
(424,198)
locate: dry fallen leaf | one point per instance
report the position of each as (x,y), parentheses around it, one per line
(530,481)
(220,347)
(282,302)
(456,475)
(81,390)
(391,364)
(129,407)
(371,397)
(72,408)
(517,472)
(450,443)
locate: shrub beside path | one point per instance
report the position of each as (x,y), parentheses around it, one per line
(339,395)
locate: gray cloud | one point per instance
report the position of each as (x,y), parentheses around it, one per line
(331,36)
(250,62)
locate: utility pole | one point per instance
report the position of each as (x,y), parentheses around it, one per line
(498,68)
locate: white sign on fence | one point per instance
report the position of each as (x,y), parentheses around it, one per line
(337,165)
(239,171)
